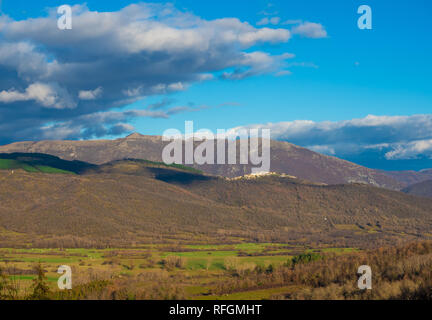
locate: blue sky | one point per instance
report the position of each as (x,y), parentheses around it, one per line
(349,74)
(393,76)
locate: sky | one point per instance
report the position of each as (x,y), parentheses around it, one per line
(301,68)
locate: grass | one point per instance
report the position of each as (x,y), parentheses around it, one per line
(31,278)
(11,164)
(174,165)
(47,169)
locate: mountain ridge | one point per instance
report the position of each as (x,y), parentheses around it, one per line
(286,158)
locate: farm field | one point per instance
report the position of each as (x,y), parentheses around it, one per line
(246,271)
(195,271)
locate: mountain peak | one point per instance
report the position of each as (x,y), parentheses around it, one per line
(134,135)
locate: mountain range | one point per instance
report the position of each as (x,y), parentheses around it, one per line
(118,192)
(286,158)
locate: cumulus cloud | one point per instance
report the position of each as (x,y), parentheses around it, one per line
(411,150)
(49,96)
(90,94)
(53,78)
(397,137)
(310,30)
(256,63)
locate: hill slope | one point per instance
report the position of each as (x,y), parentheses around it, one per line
(41,163)
(411,177)
(422,189)
(285,158)
(135,202)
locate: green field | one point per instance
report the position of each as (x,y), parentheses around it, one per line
(11,164)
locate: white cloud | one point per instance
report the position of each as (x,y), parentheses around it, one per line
(90,94)
(310,30)
(46,95)
(411,150)
(26,60)
(143,28)
(259,63)
(264,35)
(397,137)
(141,50)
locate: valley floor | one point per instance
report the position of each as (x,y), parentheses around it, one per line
(252,271)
